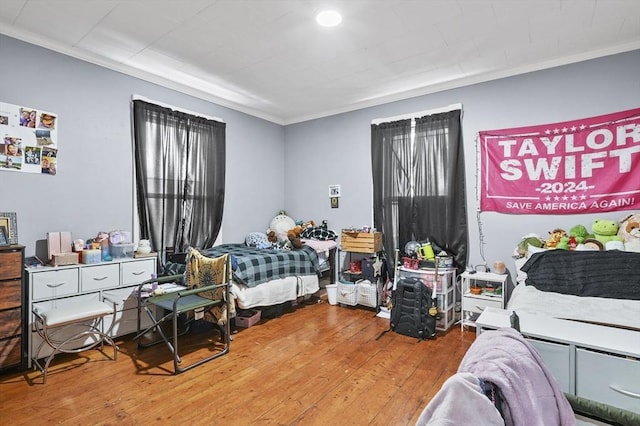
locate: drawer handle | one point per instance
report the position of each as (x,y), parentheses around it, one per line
(625,392)
(56,285)
(480,308)
(138,273)
(100,278)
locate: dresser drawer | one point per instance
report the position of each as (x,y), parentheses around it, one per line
(609,379)
(10,352)
(50,284)
(477,304)
(100,276)
(557,357)
(10,265)
(10,294)
(10,323)
(138,271)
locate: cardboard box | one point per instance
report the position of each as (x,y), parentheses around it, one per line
(60,259)
(361,242)
(247,318)
(58,242)
(60,248)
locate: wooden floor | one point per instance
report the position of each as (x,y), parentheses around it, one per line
(319,364)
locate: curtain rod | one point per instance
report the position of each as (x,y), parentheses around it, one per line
(175,108)
(448,108)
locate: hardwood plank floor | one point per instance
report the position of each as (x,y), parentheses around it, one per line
(317,365)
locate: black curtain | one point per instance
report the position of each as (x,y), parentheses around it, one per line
(419,186)
(180,177)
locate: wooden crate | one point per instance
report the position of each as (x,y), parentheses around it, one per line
(361,242)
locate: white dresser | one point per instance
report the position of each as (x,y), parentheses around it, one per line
(74,284)
(587,360)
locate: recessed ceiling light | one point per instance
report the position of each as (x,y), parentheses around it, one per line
(328,18)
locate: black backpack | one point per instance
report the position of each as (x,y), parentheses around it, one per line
(413,312)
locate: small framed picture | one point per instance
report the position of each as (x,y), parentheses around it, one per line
(334,202)
(4,240)
(10,222)
(334,190)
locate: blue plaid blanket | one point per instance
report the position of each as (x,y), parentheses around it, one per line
(256,265)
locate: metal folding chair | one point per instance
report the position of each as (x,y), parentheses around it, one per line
(208,292)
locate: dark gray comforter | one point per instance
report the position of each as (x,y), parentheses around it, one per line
(614,274)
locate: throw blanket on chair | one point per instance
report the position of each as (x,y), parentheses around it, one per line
(204,271)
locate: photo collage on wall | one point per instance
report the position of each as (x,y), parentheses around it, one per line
(29,140)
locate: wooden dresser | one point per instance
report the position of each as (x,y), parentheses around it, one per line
(12,343)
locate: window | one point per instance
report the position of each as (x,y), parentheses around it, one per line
(180,177)
(419,183)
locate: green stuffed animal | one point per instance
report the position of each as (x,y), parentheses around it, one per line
(580,233)
(605,230)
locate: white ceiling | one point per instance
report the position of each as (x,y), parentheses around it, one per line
(270,59)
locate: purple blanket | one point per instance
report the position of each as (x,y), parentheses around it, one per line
(531,394)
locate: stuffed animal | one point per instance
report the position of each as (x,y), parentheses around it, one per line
(630,232)
(554,238)
(579,233)
(533,240)
(280,225)
(605,230)
(567,243)
(294,232)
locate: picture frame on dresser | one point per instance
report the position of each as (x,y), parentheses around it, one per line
(10,221)
(4,239)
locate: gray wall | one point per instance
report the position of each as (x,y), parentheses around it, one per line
(270,167)
(93,189)
(341,144)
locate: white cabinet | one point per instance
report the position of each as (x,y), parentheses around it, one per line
(73,285)
(445,290)
(591,361)
(608,378)
(481,290)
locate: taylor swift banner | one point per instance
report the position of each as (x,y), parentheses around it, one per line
(589,165)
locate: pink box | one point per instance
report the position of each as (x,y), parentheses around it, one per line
(247,318)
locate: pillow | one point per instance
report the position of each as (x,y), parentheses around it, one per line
(521,276)
(318,233)
(531,250)
(255,239)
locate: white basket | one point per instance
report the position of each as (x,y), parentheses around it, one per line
(347,293)
(367,293)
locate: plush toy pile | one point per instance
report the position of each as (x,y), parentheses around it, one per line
(605,234)
(285,234)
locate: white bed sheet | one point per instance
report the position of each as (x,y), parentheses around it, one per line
(275,291)
(621,312)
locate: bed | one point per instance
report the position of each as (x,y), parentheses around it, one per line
(266,277)
(595,286)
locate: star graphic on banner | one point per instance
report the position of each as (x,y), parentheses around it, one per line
(556,130)
(583,197)
(574,128)
(565,198)
(556,198)
(565,129)
(574,197)
(547,198)
(547,132)
(582,127)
